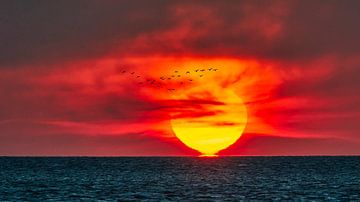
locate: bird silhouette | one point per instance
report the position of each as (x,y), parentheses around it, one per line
(215,70)
(181,77)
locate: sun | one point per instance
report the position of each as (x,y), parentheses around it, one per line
(210,127)
(208,110)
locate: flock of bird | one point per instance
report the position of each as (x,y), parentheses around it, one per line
(177,76)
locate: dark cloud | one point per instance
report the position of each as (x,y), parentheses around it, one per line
(48,32)
(195,114)
(314,28)
(43,31)
(291,30)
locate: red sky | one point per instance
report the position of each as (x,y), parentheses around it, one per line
(295,65)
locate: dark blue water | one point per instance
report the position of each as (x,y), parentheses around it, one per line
(178,179)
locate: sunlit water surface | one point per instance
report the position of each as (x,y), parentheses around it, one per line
(180,178)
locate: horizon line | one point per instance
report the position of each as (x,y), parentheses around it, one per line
(166,156)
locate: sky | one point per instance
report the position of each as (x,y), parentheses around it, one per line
(293,64)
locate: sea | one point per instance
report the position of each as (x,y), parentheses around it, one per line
(180,179)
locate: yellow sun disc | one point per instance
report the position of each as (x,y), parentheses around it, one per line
(209,127)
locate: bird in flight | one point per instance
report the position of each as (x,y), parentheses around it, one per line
(163,81)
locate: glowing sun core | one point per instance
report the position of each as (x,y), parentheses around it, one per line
(211,133)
